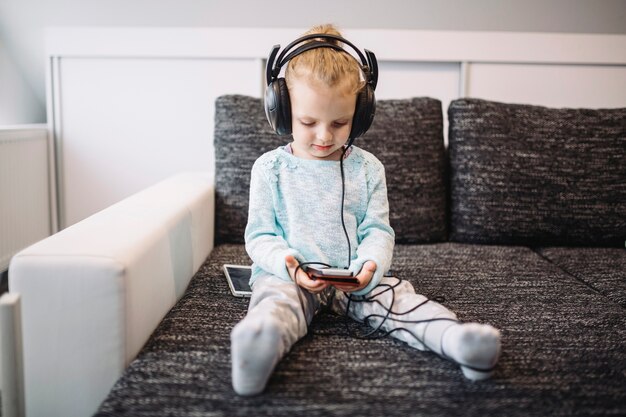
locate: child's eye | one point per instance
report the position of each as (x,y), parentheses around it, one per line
(340,124)
(306,123)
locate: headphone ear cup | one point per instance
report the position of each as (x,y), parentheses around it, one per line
(364,112)
(278,107)
(284,125)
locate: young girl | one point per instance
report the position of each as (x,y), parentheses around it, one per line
(296,199)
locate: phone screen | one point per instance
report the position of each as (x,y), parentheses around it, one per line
(238,277)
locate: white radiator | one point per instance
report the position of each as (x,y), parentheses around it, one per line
(25,203)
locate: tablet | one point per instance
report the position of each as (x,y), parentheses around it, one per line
(238,278)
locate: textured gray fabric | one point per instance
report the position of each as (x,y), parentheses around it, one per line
(563,351)
(242,134)
(406,136)
(603,269)
(524,174)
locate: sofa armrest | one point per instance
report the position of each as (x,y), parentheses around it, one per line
(93,293)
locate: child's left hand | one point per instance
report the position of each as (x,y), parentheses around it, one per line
(364,276)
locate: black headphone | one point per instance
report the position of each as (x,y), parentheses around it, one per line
(278,104)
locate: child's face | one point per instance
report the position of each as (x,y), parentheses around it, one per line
(321,119)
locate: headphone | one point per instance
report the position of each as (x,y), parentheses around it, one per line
(278,104)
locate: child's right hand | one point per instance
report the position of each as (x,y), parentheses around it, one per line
(302,278)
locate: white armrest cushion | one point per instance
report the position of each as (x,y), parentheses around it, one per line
(93,293)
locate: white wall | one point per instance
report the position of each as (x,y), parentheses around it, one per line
(18,101)
(22,24)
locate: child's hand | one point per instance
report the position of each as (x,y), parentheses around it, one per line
(364,276)
(302,278)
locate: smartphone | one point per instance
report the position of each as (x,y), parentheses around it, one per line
(336,275)
(238,277)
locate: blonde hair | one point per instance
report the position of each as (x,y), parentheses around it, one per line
(326,66)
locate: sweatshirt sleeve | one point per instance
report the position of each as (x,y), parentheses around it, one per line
(264,239)
(375,236)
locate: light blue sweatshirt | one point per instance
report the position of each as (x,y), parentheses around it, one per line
(295,209)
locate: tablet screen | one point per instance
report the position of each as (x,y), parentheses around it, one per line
(238,277)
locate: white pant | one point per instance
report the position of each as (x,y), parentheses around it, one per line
(291,309)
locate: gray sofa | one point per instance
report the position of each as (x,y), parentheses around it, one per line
(519,223)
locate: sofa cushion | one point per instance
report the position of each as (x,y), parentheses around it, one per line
(603,269)
(562,348)
(406,136)
(242,134)
(523,174)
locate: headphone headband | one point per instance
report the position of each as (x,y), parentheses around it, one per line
(369,66)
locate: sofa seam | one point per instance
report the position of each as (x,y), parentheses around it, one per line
(576,277)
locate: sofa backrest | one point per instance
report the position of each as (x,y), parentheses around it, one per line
(531,175)
(406,135)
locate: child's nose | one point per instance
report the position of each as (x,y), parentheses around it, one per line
(324,134)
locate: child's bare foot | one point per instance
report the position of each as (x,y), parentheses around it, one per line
(476,347)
